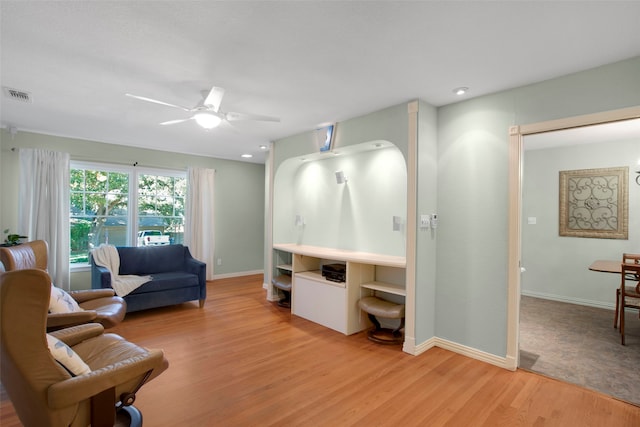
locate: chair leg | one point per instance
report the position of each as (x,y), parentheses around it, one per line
(375,321)
(615,317)
(396,331)
(286,300)
(622,322)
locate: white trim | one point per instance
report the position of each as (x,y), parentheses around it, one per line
(411,244)
(502,362)
(237,274)
(570,300)
(507,362)
(421,348)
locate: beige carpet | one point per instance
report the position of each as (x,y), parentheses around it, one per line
(579,345)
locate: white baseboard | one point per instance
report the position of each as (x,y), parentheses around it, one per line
(570,300)
(413,349)
(238,274)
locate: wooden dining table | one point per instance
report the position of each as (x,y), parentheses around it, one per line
(606,266)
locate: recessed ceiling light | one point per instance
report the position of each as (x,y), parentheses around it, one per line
(461,90)
(263,147)
(247,156)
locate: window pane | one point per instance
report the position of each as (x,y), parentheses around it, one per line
(99,211)
(159,209)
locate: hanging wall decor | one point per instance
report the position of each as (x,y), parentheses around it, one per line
(594,203)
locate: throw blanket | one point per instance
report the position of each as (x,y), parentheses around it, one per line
(107,256)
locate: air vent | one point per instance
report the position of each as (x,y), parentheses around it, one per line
(18,95)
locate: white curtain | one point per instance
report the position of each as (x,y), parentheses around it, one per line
(199,222)
(43,206)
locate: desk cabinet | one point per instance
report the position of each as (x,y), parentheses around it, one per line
(332,304)
(320,301)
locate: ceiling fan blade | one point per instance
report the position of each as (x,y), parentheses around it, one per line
(173,122)
(214,98)
(243,116)
(155,101)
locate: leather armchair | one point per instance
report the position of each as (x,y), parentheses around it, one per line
(99,305)
(43,392)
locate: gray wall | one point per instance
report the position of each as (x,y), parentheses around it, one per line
(239,198)
(557,266)
(471,297)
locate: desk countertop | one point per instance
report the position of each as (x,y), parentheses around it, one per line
(343,255)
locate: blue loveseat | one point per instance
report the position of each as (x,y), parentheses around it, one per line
(177,276)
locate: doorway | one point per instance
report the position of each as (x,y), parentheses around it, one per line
(566,311)
(517,135)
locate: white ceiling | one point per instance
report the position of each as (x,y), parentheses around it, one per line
(306,62)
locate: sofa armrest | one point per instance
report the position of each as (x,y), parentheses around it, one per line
(89,294)
(76,334)
(100,277)
(65,320)
(198,268)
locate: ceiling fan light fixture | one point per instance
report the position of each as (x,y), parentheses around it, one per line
(207,120)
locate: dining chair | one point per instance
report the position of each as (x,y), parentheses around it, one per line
(626,259)
(628,295)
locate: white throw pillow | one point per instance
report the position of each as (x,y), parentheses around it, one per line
(66,356)
(61,302)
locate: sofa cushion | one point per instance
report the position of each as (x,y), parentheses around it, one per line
(151,259)
(166,281)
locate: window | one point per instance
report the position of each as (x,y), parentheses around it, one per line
(110,204)
(161,205)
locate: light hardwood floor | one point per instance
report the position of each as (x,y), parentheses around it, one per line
(243,361)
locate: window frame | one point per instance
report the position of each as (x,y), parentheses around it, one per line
(134,173)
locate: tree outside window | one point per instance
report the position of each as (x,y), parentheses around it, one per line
(161,204)
(99,210)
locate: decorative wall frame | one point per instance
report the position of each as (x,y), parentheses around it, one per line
(594,203)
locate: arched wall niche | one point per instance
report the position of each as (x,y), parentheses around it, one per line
(310,207)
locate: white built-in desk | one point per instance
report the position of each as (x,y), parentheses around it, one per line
(332,304)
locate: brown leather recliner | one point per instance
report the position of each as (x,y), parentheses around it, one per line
(99,305)
(43,392)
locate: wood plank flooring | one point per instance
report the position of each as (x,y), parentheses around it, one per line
(243,361)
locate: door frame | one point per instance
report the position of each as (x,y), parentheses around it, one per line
(516,136)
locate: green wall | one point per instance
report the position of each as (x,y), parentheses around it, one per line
(239,198)
(471,296)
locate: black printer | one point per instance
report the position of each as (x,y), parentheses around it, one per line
(334,272)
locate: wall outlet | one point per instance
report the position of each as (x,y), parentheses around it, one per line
(397,222)
(219,262)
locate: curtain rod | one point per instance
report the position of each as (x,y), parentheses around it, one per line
(134,164)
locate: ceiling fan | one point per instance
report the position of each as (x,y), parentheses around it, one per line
(207,113)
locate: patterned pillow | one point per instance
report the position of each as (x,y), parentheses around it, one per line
(61,302)
(66,356)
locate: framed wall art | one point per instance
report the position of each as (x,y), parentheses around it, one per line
(594,203)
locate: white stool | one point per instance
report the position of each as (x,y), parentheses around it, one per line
(283,282)
(378,307)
